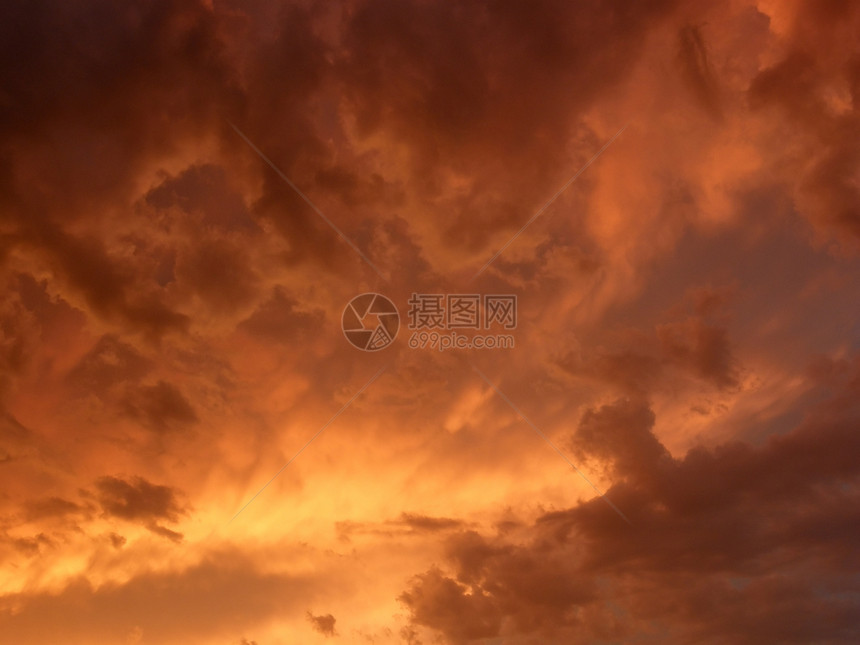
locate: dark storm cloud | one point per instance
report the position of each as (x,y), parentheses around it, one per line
(30,546)
(52,507)
(140,501)
(768,527)
(101,66)
(161,407)
(169,275)
(18,339)
(28,317)
(218,273)
(701,347)
(204,190)
(441,603)
(117,86)
(429,524)
(109,286)
(815,88)
(324,623)
(490,89)
(619,433)
(695,340)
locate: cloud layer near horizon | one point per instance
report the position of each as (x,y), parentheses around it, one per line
(171,308)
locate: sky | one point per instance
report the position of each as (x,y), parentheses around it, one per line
(665,448)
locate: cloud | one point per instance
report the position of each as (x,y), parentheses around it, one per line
(140,501)
(108,287)
(693,338)
(429,524)
(170,305)
(737,525)
(407,524)
(470,91)
(704,348)
(161,407)
(221,595)
(447,606)
(217,272)
(18,441)
(324,623)
(277,320)
(19,331)
(812,90)
(204,191)
(693,56)
(621,434)
(52,507)
(80,109)
(109,363)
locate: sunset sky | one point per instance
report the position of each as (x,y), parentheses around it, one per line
(191,192)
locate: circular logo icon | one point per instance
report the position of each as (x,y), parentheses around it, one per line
(370,322)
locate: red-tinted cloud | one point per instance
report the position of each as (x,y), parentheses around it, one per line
(170,321)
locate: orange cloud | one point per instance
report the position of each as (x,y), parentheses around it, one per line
(171,351)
